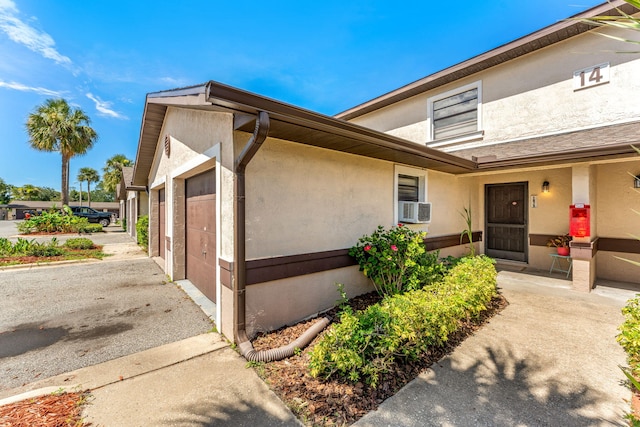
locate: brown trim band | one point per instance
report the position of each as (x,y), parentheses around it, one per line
(610,244)
(226,268)
(628,246)
(440,242)
(268,269)
(540,239)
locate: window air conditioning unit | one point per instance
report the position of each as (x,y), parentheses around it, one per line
(414,212)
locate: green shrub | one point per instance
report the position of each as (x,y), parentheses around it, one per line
(54,221)
(629,337)
(45,249)
(365,344)
(396,260)
(142,231)
(123,223)
(79,243)
(89,227)
(24,247)
(6,247)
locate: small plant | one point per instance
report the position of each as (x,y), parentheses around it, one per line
(6,247)
(50,249)
(560,241)
(142,231)
(123,223)
(468,231)
(342,302)
(79,243)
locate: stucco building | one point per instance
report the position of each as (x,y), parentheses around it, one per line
(257,202)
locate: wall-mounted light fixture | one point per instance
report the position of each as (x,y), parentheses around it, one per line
(636,181)
(545,187)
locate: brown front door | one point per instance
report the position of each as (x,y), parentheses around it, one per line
(162,220)
(201,232)
(506,216)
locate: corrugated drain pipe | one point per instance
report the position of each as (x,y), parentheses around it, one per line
(239,267)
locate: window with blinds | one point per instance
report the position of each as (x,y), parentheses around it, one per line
(456,114)
(408,188)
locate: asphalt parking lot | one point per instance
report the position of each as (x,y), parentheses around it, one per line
(54,319)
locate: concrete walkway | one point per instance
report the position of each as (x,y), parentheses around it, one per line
(199,381)
(549,359)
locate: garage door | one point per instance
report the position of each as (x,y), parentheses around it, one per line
(162,219)
(201,232)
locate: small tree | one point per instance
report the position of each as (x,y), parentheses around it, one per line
(5,192)
(113,172)
(90,175)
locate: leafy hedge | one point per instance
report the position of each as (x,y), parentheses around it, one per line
(629,337)
(366,344)
(142,231)
(55,221)
(79,243)
(24,247)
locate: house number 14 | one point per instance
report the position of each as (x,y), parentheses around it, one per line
(592,76)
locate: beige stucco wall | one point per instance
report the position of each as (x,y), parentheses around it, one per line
(200,141)
(304,199)
(533,94)
(616,202)
(274,304)
(615,185)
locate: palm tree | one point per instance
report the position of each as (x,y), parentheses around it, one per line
(623,21)
(90,175)
(54,126)
(113,172)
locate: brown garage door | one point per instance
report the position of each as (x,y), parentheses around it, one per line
(162,220)
(201,232)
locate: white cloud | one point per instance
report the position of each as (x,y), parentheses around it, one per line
(173,82)
(25,88)
(22,33)
(104,108)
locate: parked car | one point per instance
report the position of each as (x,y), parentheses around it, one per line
(103,218)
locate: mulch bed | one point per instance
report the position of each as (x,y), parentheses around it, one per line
(72,254)
(52,410)
(336,403)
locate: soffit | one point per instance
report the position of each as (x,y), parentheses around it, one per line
(289,123)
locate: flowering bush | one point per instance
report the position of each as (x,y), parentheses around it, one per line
(396,260)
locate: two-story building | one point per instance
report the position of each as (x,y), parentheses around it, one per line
(256,202)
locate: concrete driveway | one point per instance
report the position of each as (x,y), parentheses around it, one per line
(55,319)
(8,228)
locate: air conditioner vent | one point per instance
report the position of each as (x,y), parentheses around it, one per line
(414,212)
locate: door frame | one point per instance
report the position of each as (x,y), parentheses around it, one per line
(525,185)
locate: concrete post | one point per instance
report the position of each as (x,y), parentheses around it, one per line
(583,249)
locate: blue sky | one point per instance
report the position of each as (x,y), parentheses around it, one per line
(105,56)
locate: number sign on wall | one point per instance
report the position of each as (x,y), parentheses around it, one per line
(591,76)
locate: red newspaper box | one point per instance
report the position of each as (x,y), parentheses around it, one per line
(579,220)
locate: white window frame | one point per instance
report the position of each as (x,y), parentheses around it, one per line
(433,143)
(421,174)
